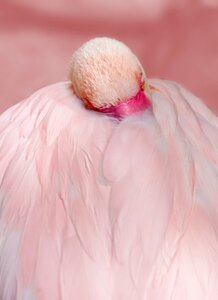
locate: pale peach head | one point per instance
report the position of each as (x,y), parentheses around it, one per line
(106,74)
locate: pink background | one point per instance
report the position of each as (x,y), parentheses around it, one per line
(174,39)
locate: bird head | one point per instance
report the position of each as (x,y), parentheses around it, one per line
(109,78)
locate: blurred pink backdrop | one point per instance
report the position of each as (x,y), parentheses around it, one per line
(174,39)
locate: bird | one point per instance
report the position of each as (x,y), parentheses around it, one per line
(109,186)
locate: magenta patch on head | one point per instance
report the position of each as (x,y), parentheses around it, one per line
(128,107)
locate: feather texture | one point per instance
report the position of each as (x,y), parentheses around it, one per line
(93,208)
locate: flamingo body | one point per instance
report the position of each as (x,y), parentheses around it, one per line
(93,208)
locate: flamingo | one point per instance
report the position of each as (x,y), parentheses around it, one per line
(109,186)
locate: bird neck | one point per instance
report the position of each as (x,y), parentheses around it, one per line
(125,108)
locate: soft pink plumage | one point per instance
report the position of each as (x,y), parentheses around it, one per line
(96,209)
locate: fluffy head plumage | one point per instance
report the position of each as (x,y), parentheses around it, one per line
(105,72)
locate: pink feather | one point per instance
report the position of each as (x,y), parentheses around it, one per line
(92,208)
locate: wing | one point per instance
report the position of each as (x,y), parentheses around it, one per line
(52,199)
